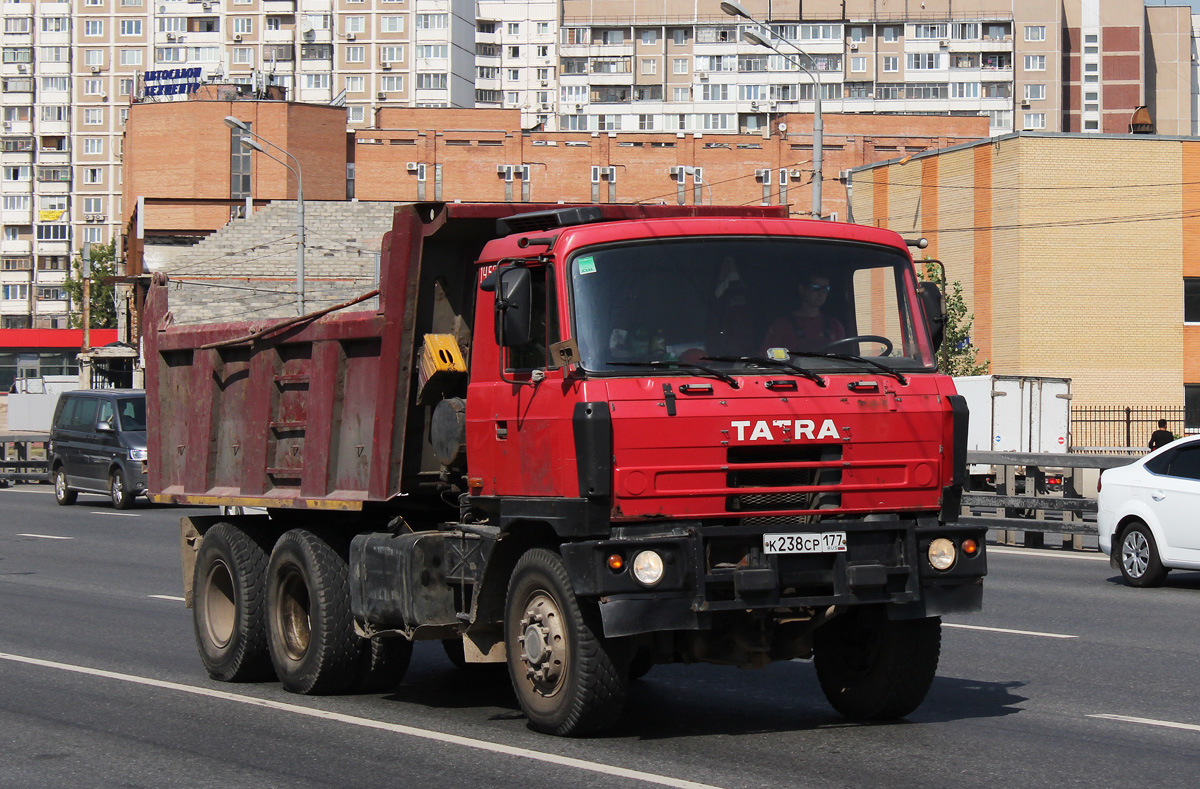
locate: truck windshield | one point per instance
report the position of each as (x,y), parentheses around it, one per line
(714,299)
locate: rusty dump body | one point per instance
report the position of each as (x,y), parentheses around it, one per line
(320,413)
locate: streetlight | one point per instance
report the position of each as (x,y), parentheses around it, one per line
(736,9)
(252,142)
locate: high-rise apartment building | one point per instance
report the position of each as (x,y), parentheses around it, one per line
(71,69)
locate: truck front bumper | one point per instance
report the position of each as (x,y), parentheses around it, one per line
(713,570)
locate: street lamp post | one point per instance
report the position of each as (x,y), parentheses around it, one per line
(252,143)
(736,9)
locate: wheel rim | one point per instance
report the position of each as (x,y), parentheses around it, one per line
(220,610)
(1135,554)
(60,485)
(543,638)
(292,613)
(118,490)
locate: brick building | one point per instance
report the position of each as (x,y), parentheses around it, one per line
(1078,254)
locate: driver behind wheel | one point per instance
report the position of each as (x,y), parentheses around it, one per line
(806,327)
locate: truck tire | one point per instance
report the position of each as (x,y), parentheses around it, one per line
(873,668)
(63,494)
(383,662)
(567,677)
(310,630)
(229,604)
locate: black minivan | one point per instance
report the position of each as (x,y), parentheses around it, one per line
(98,445)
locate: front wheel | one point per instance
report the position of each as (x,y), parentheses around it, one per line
(118,488)
(63,494)
(873,668)
(568,678)
(1140,563)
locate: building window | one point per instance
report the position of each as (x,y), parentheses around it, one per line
(130,57)
(355,114)
(1035,120)
(131,27)
(1191,299)
(93,235)
(649,37)
(54,232)
(243,24)
(1035,92)
(891,33)
(355,85)
(243,56)
(891,62)
(93,146)
(1035,62)
(1035,32)
(55,113)
(514,74)
(16,203)
(316,81)
(56,24)
(61,83)
(356,54)
(1191,406)
(93,205)
(391,83)
(92,87)
(679,65)
(514,52)
(16,293)
(928,31)
(93,27)
(93,57)
(923,61)
(433,51)
(391,24)
(93,116)
(964,90)
(93,175)
(432,21)
(393,54)
(543,51)
(858,64)
(315,52)
(649,66)
(431,81)
(169,54)
(356,24)
(16,172)
(274,23)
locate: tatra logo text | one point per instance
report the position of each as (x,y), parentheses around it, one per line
(777,429)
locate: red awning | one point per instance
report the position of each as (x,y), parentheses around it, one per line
(36,339)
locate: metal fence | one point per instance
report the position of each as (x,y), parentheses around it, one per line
(1107,427)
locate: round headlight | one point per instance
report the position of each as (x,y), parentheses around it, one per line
(941,554)
(647,568)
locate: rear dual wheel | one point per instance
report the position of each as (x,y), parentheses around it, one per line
(311,636)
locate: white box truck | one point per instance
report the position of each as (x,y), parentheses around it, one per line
(1016,413)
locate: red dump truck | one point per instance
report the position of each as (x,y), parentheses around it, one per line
(581,440)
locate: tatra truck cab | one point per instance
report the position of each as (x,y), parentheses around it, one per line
(581,441)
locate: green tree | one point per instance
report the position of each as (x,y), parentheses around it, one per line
(958,355)
(104,265)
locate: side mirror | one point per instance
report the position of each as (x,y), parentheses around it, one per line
(514,298)
(105,427)
(933,305)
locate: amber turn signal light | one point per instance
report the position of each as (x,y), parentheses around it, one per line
(970,547)
(616,563)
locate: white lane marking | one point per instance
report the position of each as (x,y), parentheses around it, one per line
(122,514)
(1044,554)
(367,723)
(1006,630)
(1147,721)
(167,597)
(46,536)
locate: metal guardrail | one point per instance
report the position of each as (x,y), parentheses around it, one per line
(16,465)
(1026,511)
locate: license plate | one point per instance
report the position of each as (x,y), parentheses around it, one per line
(826,542)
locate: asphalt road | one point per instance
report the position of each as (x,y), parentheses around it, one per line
(1070,679)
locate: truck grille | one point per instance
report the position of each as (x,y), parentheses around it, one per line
(772,467)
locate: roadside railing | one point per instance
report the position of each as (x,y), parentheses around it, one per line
(18,458)
(1022,503)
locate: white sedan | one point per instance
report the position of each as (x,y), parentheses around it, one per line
(1149,513)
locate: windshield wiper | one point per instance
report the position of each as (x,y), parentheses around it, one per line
(670,365)
(883,368)
(766,362)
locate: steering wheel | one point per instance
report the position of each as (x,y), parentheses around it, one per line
(847,341)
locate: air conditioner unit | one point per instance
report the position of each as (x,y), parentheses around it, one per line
(103,97)
(674,170)
(350,37)
(763,175)
(506,170)
(579,108)
(544,83)
(7,125)
(206,6)
(237,36)
(797,173)
(170,36)
(943,43)
(95,69)
(1024,105)
(381,95)
(411,167)
(523,171)
(611,172)
(544,106)
(385,65)
(22,68)
(853,46)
